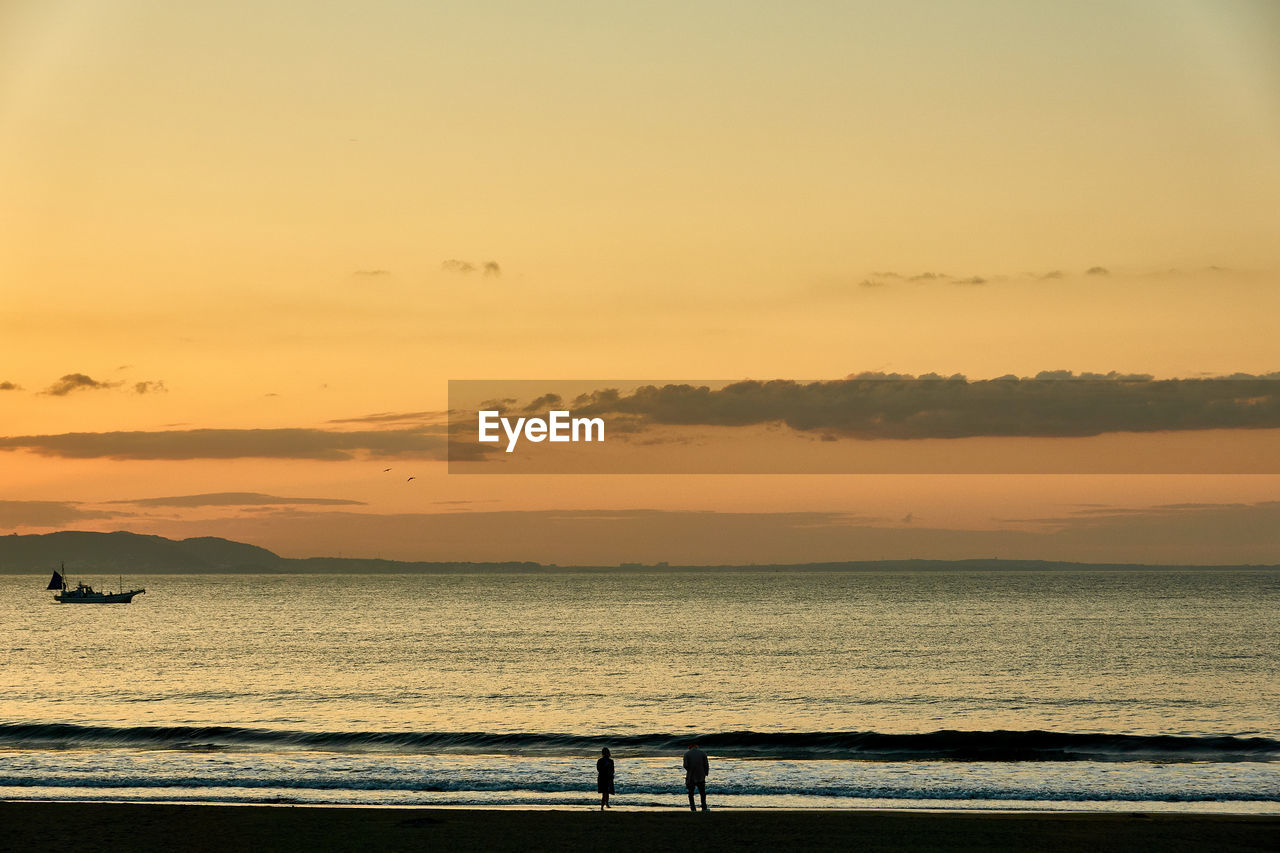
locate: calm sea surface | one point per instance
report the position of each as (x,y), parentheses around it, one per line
(990,690)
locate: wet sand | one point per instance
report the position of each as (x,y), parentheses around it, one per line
(198,828)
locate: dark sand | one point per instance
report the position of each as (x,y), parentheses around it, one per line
(101,826)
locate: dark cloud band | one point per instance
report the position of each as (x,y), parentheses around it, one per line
(1054,404)
(328,445)
(236,499)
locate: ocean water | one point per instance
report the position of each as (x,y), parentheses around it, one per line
(1010,690)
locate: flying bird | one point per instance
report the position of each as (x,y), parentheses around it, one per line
(411,478)
(385,470)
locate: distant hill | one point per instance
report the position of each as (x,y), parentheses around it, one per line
(134,553)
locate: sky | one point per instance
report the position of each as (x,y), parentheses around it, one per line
(223,221)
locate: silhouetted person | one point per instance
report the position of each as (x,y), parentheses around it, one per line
(604,777)
(696,767)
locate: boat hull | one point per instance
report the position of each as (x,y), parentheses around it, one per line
(98,597)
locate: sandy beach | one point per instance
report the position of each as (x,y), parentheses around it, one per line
(35,826)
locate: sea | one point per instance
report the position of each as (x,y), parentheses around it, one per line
(1153,690)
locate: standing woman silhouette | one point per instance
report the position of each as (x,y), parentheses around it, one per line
(604,777)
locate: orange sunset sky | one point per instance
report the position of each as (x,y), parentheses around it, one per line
(218,221)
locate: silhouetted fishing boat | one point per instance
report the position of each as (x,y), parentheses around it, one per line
(85,594)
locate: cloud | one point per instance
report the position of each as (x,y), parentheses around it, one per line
(490,269)
(502,404)
(76,382)
(544,403)
(1117,376)
(47,514)
(9,386)
(80,382)
(1226,534)
(894,406)
(885,278)
(327,445)
(235,499)
(376,273)
(390,417)
(1189,527)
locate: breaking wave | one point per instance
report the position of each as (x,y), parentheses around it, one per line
(1008,746)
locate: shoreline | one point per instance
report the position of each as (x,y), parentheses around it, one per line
(1089,808)
(145,827)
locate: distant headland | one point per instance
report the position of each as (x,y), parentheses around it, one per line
(135,553)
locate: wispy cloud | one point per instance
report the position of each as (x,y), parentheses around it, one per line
(895,278)
(73,382)
(76,382)
(327,445)
(884,278)
(48,513)
(235,499)
(392,417)
(1212,521)
(490,269)
(1221,534)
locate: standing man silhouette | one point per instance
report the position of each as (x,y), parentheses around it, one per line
(696,767)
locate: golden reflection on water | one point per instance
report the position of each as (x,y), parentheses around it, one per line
(1134,652)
